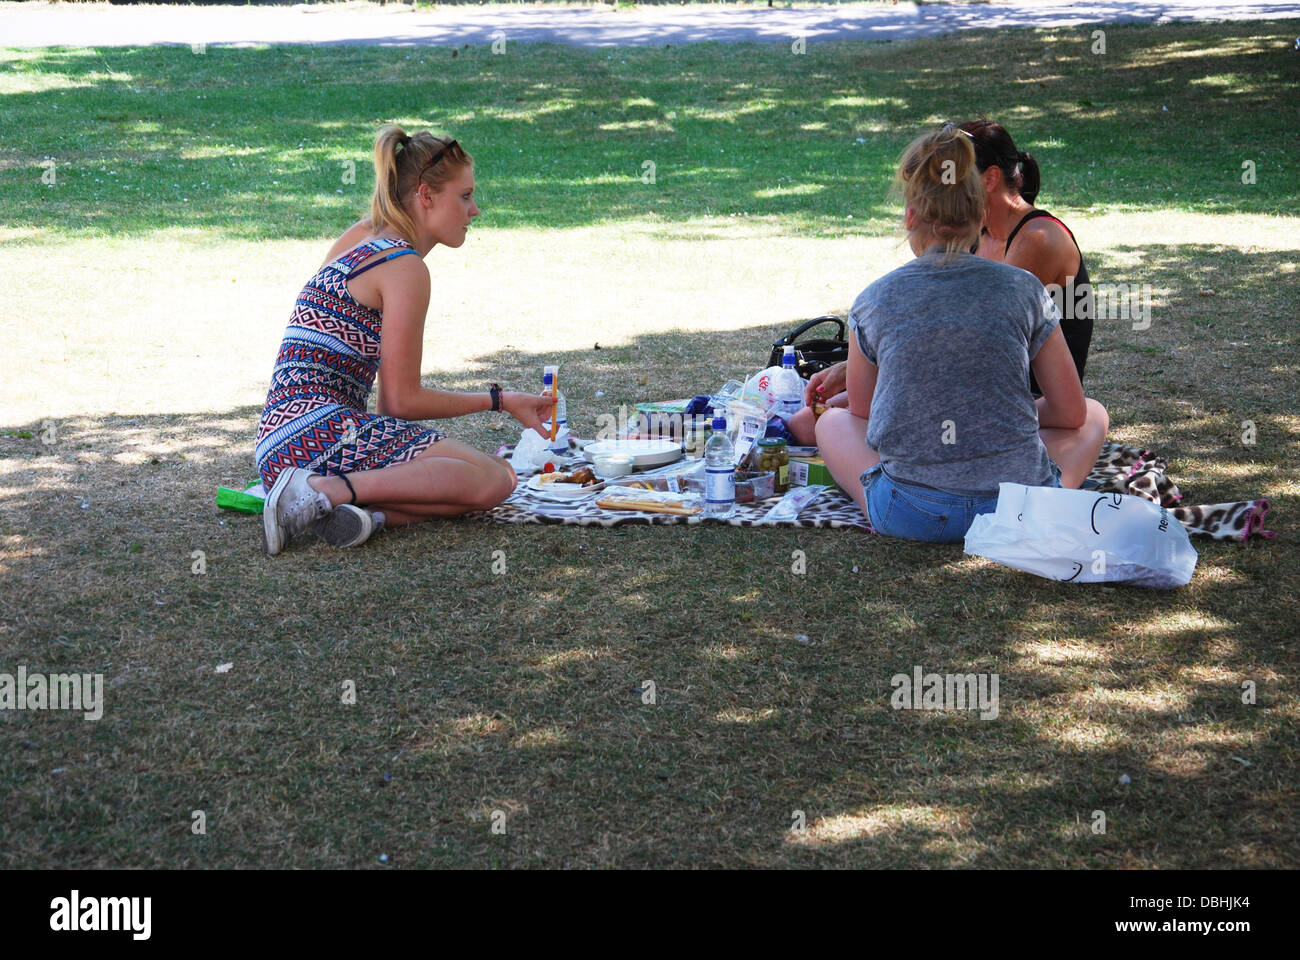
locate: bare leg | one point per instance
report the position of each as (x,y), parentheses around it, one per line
(842,442)
(1075,451)
(419,512)
(448,479)
(397,518)
(803,425)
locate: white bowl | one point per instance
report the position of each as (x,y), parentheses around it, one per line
(612,464)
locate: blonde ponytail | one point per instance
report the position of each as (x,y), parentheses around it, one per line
(940,182)
(399,161)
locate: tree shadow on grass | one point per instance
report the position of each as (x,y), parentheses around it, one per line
(1219,354)
(255,142)
(524,692)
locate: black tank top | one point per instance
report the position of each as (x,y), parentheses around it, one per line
(1076,316)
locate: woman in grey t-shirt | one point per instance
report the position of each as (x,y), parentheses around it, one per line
(939,408)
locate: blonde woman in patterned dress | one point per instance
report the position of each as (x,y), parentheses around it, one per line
(328,464)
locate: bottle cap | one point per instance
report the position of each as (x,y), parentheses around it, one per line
(719,423)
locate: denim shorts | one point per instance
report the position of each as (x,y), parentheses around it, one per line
(910,511)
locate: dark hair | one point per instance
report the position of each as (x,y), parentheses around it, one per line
(995,148)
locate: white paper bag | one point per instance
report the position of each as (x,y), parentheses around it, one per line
(1081,536)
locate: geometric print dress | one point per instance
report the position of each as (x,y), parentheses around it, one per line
(315,415)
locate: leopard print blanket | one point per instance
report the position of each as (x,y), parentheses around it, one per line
(1119,469)
(1142,473)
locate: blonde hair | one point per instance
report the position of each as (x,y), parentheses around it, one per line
(399,161)
(940,182)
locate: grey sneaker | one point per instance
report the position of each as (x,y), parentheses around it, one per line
(291,507)
(346,526)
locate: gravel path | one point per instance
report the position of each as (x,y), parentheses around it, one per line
(39,25)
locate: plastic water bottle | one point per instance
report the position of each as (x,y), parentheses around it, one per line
(791,387)
(550,378)
(719,473)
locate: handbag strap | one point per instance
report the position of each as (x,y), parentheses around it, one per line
(804,328)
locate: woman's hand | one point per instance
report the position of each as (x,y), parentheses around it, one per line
(529,409)
(828,383)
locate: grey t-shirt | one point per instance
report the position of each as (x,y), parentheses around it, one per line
(953,341)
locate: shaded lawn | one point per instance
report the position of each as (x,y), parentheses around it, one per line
(523,692)
(255,143)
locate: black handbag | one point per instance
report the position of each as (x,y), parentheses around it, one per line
(812,355)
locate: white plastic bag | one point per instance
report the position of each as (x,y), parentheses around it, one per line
(1080,536)
(531,452)
(776,391)
(762,391)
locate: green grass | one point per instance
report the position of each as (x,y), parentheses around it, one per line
(143,322)
(255,142)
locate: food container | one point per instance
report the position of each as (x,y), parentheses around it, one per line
(612,464)
(809,471)
(666,420)
(751,485)
(772,454)
(697,436)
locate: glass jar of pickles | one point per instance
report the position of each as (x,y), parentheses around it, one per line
(773,455)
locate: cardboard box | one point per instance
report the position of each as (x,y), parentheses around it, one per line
(807,471)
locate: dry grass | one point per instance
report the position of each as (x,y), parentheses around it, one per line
(149,350)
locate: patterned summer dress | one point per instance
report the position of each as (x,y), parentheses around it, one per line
(315,415)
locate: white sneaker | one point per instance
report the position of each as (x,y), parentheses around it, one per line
(346,525)
(291,507)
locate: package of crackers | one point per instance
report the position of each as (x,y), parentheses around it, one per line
(649,501)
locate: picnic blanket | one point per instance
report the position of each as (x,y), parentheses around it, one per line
(1142,473)
(1119,469)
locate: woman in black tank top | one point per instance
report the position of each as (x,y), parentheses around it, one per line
(1011,180)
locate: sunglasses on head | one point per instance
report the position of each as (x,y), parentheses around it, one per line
(436,157)
(952,126)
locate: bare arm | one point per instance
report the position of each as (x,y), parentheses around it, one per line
(404,287)
(861,380)
(1061,404)
(1045,250)
(386,402)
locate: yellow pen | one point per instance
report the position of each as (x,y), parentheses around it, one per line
(551,385)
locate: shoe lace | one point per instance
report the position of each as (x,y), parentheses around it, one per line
(302,511)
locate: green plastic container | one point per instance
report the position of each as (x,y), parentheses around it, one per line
(229,499)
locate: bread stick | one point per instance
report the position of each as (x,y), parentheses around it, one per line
(648,506)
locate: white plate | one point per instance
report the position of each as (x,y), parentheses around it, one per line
(644,453)
(560,491)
